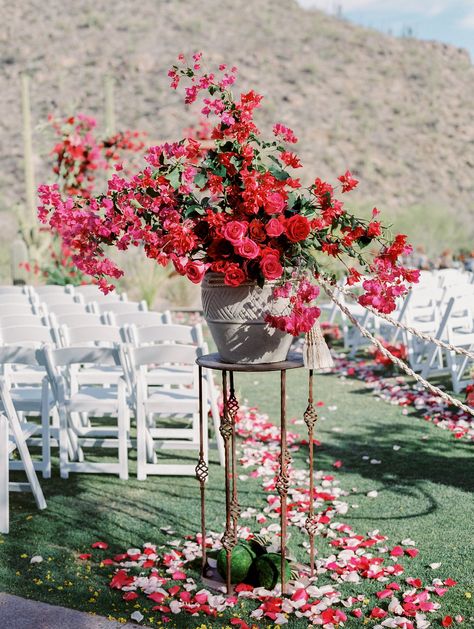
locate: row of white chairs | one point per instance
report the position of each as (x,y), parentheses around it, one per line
(441,306)
(86,374)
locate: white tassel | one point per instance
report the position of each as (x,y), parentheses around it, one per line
(316,354)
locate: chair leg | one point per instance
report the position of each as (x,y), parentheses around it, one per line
(45,432)
(24,454)
(122,433)
(141,442)
(4,471)
(64,444)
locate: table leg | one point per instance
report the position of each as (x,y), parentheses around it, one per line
(283,482)
(202,472)
(229,539)
(310,418)
(233,407)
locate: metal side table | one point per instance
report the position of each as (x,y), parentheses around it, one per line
(227,430)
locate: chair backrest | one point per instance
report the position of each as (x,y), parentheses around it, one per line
(154,355)
(138,319)
(21,355)
(69,308)
(166,333)
(17,298)
(14,290)
(99,335)
(75,320)
(68,356)
(91,292)
(9,321)
(27,335)
(53,289)
(13,309)
(50,300)
(120,307)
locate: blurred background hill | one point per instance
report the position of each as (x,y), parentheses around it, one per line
(396,111)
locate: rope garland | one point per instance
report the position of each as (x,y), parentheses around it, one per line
(403,366)
(402,326)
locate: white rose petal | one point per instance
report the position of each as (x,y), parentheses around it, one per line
(137,616)
(36,559)
(372,494)
(434,566)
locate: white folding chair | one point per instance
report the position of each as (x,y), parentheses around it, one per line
(174,403)
(76,396)
(13,436)
(180,374)
(23,373)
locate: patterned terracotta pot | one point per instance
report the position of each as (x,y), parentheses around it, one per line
(235,316)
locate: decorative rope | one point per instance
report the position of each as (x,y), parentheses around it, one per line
(403,366)
(402,326)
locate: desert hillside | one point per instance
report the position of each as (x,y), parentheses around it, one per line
(398,112)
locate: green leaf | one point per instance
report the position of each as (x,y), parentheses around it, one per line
(174,177)
(279,173)
(200,180)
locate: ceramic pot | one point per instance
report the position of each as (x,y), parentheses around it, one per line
(235,316)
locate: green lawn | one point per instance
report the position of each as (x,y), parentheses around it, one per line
(424,493)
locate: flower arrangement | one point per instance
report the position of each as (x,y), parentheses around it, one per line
(235,208)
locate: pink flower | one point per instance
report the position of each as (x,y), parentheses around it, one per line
(274,228)
(234,231)
(274,203)
(247,248)
(285,132)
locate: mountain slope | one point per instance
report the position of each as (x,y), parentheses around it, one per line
(395,111)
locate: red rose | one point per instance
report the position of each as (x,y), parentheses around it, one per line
(248,248)
(234,276)
(234,231)
(271,268)
(195,271)
(257,231)
(297,228)
(274,228)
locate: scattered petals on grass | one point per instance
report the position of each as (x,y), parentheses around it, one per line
(101,545)
(163,580)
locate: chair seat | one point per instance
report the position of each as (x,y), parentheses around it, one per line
(172,374)
(172,401)
(29,399)
(93,398)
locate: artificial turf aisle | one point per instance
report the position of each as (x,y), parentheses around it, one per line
(423,490)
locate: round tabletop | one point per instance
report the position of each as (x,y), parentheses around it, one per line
(214,361)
